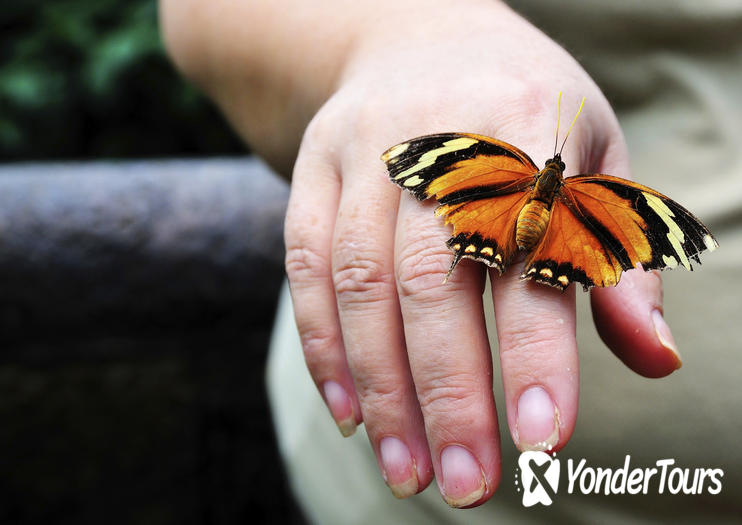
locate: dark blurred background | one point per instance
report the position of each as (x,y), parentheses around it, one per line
(89,78)
(140,259)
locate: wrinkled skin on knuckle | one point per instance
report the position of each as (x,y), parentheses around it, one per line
(451,393)
(531,352)
(298,239)
(379,393)
(304,265)
(316,345)
(359,275)
(452,398)
(421,267)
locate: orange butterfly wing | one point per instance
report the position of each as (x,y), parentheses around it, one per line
(601,225)
(481,185)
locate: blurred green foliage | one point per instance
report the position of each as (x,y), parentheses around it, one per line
(89,79)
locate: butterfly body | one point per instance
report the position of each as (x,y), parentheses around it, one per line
(587,228)
(534,217)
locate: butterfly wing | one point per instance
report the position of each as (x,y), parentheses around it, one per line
(601,225)
(480,183)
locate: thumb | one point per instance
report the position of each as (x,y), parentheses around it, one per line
(630,321)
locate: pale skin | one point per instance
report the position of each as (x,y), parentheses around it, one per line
(326,87)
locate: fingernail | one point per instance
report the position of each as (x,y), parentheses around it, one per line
(400,472)
(665,335)
(537,427)
(463,480)
(341,408)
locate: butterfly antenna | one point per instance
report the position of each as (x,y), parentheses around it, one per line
(570,126)
(559,117)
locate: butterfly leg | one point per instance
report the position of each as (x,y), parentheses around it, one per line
(454,262)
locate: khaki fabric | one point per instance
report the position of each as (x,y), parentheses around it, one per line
(673,71)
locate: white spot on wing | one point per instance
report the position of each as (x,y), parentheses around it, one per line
(675,235)
(413,181)
(428,158)
(670,261)
(395,151)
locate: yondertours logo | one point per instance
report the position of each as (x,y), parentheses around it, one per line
(538,476)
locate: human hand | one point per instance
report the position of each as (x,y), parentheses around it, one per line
(386,342)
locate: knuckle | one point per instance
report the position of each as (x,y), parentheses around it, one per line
(359,275)
(421,269)
(453,394)
(367,118)
(304,263)
(527,105)
(318,130)
(316,345)
(526,350)
(527,338)
(374,110)
(380,393)
(323,125)
(377,107)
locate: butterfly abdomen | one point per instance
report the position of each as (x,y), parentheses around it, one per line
(534,217)
(531,224)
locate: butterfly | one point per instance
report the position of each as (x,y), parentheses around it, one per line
(586,228)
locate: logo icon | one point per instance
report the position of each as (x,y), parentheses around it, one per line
(539,477)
